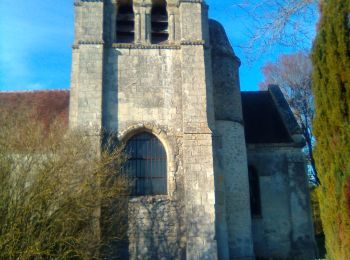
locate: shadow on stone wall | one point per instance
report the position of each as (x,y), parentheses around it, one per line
(114,227)
(156,229)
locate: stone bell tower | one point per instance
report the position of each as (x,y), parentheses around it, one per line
(145,66)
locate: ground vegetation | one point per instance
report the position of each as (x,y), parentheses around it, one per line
(59,197)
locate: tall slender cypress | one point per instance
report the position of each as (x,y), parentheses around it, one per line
(331,86)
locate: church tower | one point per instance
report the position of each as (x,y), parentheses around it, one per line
(165,79)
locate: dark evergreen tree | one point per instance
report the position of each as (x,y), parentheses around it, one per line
(331,85)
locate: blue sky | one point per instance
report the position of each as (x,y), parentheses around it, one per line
(36,38)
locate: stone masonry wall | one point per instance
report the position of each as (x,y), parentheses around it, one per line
(234,232)
(87,68)
(198,114)
(231,154)
(142,85)
(166,90)
(285,227)
(163,90)
(142,92)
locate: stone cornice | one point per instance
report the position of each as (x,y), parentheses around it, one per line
(196,42)
(192,1)
(76,45)
(91,42)
(170,5)
(81,2)
(142,46)
(202,2)
(143,4)
(273,147)
(145,46)
(236,121)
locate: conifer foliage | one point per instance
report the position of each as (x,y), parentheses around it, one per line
(331,58)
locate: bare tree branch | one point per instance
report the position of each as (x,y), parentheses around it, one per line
(288,23)
(293,74)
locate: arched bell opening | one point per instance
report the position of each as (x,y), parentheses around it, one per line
(159,22)
(125,22)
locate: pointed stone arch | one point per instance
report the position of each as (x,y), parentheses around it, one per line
(168,144)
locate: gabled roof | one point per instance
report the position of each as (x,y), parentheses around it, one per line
(268,118)
(46,105)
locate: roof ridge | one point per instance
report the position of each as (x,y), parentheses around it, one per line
(254,91)
(33,91)
(286,114)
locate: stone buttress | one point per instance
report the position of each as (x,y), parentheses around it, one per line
(85,109)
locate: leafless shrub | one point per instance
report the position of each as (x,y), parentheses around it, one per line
(293,75)
(53,185)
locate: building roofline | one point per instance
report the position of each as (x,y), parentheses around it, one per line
(287,115)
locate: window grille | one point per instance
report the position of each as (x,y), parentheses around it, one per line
(125,22)
(159,21)
(255,200)
(146,165)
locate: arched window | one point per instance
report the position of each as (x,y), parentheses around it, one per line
(255,200)
(125,22)
(146,165)
(159,18)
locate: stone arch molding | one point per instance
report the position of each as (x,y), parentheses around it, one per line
(169,146)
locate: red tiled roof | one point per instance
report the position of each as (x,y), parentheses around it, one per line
(47,105)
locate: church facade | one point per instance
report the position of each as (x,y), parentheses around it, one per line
(218,174)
